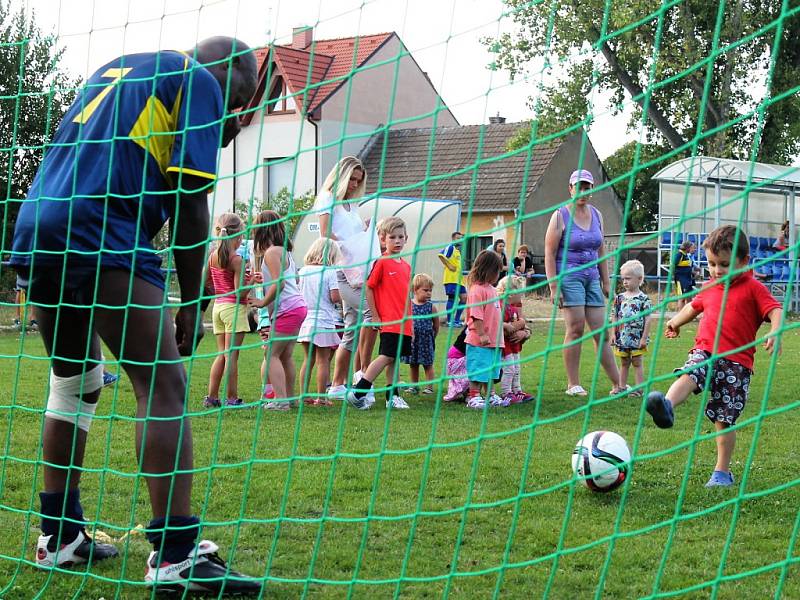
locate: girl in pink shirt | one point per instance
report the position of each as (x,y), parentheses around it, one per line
(484,330)
(225,271)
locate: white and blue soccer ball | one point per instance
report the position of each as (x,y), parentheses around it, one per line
(601,460)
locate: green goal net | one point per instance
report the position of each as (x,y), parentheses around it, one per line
(465,117)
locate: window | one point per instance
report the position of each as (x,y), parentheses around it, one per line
(279,100)
(278,174)
(474,245)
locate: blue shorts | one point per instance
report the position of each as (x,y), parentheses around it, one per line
(450,289)
(581,291)
(483,363)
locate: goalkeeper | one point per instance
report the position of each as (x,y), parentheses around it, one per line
(137,147)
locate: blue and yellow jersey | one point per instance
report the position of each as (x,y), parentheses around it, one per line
(452,255)
(106,178)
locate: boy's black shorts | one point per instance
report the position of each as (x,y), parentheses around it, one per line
(390,342)
(727,389)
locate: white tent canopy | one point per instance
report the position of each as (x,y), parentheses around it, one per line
(700,193)
(429,224)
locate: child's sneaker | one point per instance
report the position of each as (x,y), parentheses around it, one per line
(202,571)
(660,409)
(234,402)
(211,402)
(109,378)
(720,479)
(476,402)
(33,325)
(520,397)
(511,398)
(361,403)
(397,402)
(17,325)
(337,392)
(428,390)
(497,401)
(277,406)
(411,390)
(51,554)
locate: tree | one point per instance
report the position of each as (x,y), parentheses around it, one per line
(34,95)
(294,208)
(643,207)
(696,69)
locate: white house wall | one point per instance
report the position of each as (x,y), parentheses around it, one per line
(282,136)
(370,94)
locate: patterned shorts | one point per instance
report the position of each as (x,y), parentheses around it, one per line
(727,389)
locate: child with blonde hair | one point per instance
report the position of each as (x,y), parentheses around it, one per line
(227,271)
(318,335)
(632,321)
(516,333)
(387,296)
(426,328)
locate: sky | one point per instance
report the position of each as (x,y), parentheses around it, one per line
(442,35)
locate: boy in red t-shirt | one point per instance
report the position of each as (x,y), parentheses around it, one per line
(748,304)
(388,297)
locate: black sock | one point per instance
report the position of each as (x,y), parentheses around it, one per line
(362,387)
(62,510)
(178,536)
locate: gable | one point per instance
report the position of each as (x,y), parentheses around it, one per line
(321,68)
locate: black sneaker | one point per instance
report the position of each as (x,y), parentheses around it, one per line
(660,409)
(202,571)
(51,554)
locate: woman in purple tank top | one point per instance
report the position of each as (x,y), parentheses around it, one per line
(573,244)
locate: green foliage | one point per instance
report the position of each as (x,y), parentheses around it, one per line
(620,41)
(34,95)
(283,203)
(643,196)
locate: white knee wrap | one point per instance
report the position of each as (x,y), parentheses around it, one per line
(64,402)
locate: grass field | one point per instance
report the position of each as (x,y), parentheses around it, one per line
(437,501)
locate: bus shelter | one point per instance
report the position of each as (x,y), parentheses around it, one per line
(700,193)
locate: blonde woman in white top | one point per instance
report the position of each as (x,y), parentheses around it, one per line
(339,220)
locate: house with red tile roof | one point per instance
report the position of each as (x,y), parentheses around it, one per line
(319,100)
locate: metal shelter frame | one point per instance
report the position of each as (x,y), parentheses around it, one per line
(705,180)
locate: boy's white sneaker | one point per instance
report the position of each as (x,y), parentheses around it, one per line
(397,402)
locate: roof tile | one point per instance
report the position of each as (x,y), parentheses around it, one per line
(489,180)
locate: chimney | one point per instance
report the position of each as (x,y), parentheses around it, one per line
(302,37)
(497,119)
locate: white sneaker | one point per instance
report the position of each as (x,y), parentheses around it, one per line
(495,400)
(337,392)
(357,376)
(475,402)
(397,402)
(361,403)
(77,552)
(201,571)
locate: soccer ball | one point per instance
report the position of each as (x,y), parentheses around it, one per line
(599,460)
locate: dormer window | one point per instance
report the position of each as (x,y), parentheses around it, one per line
(279,100)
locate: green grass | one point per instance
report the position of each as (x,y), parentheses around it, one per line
(334,503)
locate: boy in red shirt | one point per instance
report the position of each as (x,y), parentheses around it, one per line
(748,304)
(388,297)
